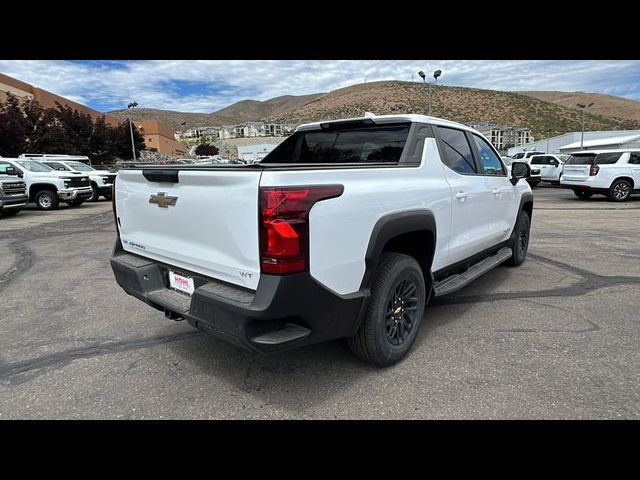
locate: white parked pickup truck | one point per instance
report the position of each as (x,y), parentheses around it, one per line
(346,229)
(101,180)
(47,187)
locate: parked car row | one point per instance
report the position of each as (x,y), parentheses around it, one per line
(47,183)
(612,173)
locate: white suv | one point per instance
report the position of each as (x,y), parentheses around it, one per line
(550,166)
(614,173)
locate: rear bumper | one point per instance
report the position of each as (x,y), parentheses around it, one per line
(284,312)
(583,187)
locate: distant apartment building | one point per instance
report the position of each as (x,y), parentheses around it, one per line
(503,137)
(159,138)
(245,130)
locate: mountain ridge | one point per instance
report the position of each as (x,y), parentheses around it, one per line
(518,109)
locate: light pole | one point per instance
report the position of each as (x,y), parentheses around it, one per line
(436,74)
(583,107)
(133,104)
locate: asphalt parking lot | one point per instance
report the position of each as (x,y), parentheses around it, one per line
(556,338)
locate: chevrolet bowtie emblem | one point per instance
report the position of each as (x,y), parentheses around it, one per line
(162,200)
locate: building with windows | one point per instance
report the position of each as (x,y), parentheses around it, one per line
(503,137)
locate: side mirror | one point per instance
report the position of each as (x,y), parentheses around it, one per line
(13,171)
(519,170)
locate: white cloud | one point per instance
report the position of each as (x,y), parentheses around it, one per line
(220,83)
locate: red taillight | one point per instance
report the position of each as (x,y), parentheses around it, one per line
(593,169)
(284,226)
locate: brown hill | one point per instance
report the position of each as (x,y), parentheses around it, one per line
(455,103)
(606,105)
(239,112)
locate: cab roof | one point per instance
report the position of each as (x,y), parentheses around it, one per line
(382,119)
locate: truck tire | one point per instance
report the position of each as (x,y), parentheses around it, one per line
(94,193)
(394,312)
(584,194)
(620,191)
(75,203)
(46,200)
(107,196)
(519,241)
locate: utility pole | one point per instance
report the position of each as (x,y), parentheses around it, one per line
(436,74)
(583,107)
(133,144)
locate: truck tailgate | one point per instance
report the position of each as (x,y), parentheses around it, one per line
(210,229)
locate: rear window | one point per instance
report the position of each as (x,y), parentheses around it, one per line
(359,144)
(597,159)
(539,160)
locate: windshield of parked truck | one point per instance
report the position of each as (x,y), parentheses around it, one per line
(33,166)
(518,155)
(81,167)
(358,142)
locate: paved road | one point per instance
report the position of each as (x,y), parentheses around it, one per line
(556,338)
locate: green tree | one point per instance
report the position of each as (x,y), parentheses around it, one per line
(100,143)
(206,149)
(121,141)
(13,128)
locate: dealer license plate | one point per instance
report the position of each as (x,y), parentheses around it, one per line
(181,283)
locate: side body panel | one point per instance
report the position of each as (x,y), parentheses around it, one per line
(340,228)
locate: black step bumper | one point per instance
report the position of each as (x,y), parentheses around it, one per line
(284,312)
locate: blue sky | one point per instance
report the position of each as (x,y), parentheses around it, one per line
(208,85)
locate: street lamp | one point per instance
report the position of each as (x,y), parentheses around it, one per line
(133,104)
(583,107)
(436,74)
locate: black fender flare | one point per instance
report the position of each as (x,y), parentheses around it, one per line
(390,226)
(527,197)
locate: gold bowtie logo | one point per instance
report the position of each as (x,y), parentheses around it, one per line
(163,200)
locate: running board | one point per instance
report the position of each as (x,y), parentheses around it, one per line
(456,282)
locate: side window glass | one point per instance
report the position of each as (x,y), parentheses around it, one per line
(456,150)
(491,164)
(634,158)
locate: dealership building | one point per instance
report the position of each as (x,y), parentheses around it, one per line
(571,142)
(158,137)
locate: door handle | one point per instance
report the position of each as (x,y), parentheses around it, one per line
(496,192)
(461,195)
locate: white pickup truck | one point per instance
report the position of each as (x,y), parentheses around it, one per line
(47,187)
(346,229)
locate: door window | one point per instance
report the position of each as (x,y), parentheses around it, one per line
(456,152)
(491,164)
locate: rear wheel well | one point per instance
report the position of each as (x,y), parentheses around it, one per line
(419,245)
(628,179)
(38,187)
